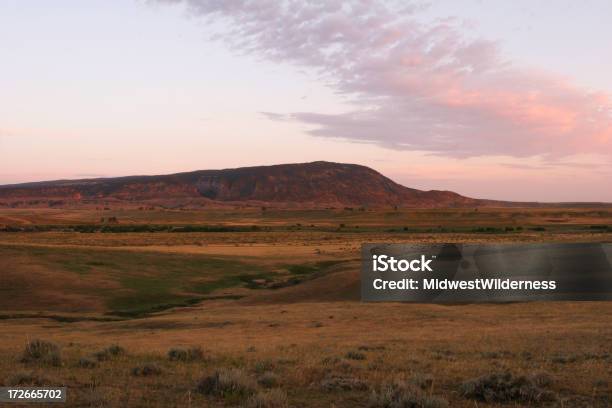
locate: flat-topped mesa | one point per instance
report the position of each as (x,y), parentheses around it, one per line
(317,184)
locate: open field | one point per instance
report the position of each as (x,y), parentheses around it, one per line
(274,294)
(351,217)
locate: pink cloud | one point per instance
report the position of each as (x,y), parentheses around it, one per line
(416,86)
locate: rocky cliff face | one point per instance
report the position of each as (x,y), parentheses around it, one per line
(316,184)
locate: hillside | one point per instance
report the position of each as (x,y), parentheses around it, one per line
(310,185)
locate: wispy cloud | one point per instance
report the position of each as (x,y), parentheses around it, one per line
(416,86)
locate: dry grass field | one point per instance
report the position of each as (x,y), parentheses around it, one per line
(260,308)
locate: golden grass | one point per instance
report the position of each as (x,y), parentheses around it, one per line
(451,344)
(304,338)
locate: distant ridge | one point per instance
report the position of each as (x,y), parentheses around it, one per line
(317,184)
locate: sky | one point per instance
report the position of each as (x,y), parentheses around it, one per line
(500,100)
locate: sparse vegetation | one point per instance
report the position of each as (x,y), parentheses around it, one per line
(401,394)
(85,362)
(506,387)
(422,381)
(268,399)
(185,354)
(42,352)
(146,370)
(227,383)
(277,305)
(268,379)
(541,379)
(27,378)
(563,359)
(355,355)
(262,366)
(338,383)
(109,353)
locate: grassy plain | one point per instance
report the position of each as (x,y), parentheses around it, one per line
(274,295)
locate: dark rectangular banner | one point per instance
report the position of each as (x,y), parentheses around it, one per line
(465,273)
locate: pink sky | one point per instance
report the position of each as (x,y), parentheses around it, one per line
(426,96)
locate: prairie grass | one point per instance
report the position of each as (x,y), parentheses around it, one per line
(162,295)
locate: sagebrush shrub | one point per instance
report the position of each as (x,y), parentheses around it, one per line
(268,379)
(108,353)
(86,362)
(227,382)
(185,354)
(146,370)
(337,383)
(355,355)
(505,387)
(43,352)
(401,394)
(26,378)
(275,398)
